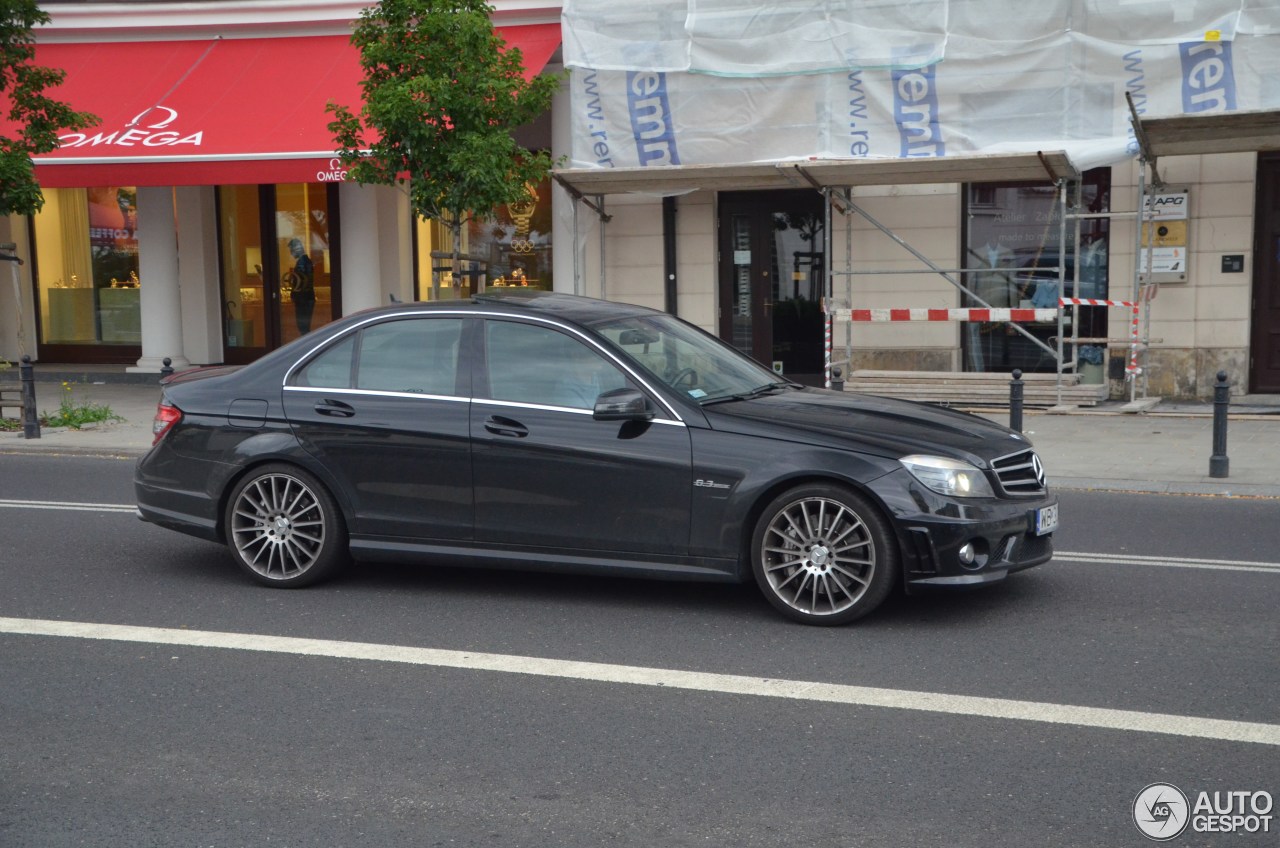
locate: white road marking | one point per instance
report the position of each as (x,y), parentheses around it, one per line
(82,507)
(1168,562)
(901,699)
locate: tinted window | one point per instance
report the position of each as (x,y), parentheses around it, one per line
(331,369)
(417,355)
(533,364)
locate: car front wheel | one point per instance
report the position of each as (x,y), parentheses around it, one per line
(284,528)
(823,555)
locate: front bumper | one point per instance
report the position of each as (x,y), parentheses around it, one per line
(933,530)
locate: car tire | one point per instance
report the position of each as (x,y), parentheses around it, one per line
(823,554)
(283,527)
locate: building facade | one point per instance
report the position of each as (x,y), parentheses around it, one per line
(164,238)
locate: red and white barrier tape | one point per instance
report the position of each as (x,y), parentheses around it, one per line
(1088,301)
(826,347)
(971,314)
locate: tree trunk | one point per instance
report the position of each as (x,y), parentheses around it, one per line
(456,226)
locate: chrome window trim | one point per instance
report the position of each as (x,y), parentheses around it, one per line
(513,404)
(378,393)
(670,411)
(591,342)
(288,375)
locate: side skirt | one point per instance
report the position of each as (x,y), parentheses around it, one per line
(564,562)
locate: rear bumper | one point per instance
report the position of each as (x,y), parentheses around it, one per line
(176,501)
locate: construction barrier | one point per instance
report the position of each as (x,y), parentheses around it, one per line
(989,314)
(967,314)
(1131,370)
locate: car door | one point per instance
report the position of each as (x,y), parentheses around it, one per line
(385,412)
(547,474)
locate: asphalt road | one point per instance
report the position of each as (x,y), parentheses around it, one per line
(696,722)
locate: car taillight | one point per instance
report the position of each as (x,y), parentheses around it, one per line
(166,416)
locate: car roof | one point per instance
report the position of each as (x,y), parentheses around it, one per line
(572,307)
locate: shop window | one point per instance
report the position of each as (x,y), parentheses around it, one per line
(1011,239)
(515,241)
(86,250)
(433,242)
(277,263)
(509,248)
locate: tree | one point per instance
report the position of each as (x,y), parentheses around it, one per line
(38,118)
(442,95)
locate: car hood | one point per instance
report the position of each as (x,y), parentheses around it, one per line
(879,425)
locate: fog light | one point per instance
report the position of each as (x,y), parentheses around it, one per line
(973,554)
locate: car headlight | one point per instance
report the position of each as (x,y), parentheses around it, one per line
(949,476)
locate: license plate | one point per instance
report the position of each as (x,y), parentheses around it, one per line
(1046,519)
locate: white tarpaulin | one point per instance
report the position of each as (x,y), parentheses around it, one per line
(699,82)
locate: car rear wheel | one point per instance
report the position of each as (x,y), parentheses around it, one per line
(823,554)
(283,527)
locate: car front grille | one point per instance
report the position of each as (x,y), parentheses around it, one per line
(1020,474)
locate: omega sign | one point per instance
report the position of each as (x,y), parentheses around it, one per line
(154,134)
(335,174)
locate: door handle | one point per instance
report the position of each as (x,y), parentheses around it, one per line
(334,408)
(500,426)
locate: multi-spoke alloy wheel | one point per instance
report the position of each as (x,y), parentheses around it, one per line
(823,555)
(284,527)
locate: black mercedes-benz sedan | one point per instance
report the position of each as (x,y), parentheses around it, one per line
(561,433)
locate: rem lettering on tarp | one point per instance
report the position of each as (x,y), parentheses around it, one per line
(595,122)
(915,110)
(651,122)
(1208,80)
(1136,84)
(859,120)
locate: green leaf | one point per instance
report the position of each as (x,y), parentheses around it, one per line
(442,97)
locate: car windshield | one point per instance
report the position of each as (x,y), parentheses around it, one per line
(688,360)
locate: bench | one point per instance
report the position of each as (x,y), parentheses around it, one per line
(10,398)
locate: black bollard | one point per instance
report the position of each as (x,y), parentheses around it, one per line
(30,422)
(1015,400)
(1218,463)
(167,370)
(837,379)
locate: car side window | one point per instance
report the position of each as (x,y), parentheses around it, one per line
(418,355)
(534,364)
(331,369)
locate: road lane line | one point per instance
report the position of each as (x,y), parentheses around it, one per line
(82,507)
(902,699)
(1168,562)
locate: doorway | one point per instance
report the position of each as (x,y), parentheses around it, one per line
(1264,343)
(279,262)
(773,278)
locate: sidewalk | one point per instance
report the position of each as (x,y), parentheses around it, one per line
(1164,450)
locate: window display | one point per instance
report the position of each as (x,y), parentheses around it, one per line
(87,270)
(1012,237)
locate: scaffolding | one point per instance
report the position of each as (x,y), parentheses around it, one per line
(835,180)
(1178,135)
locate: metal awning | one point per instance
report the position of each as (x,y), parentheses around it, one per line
(1217,132)
(837,173)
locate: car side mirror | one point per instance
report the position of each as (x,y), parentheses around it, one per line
(622,405)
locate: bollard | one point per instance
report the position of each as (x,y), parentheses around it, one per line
(167,370)
(837,379)
(1015,400)
(1218,462)
(30,422)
